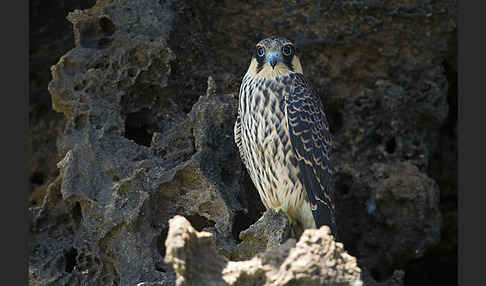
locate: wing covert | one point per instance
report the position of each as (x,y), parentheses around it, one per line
(311,141)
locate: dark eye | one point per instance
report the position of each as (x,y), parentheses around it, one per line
(287,50)
(260,51)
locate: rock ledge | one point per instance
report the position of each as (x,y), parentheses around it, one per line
(316,259)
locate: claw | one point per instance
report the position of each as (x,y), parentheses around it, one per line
(261,218)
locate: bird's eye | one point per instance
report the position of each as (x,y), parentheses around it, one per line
(287,50)
(260,51)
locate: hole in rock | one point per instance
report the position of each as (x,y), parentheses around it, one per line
(240,223)
(161,241)
(199,222)
(137,127)
(70,257)
(107,25)
(391,145)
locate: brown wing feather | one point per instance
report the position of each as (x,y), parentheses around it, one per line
(311,141)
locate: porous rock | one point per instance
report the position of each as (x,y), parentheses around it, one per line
(268,233)
(49,38)
(132,157)
(404,207)
(316,259)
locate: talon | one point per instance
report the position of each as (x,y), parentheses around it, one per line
(261,218)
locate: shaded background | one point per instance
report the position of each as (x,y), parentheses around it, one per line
(377,62)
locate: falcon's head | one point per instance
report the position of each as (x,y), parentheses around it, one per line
(274,56)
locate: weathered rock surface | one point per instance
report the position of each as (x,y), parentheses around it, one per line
(50,36)
(149,98)
(404,204)
(268,233)
(116,190)
(316,259)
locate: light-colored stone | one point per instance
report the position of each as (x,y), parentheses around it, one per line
(316,259)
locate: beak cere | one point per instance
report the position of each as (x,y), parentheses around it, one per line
(273,58)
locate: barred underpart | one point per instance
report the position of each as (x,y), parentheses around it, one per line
(262,136)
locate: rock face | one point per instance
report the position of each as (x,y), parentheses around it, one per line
(316,259)
(50,36)
(149,95)
(268,233)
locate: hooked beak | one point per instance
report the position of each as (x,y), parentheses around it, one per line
(273,58)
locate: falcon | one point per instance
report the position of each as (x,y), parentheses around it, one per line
(283,137)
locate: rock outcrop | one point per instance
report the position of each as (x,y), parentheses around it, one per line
(316,259)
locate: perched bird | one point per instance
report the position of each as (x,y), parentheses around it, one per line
(283,136)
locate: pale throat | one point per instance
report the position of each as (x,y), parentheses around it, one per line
(268,72)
